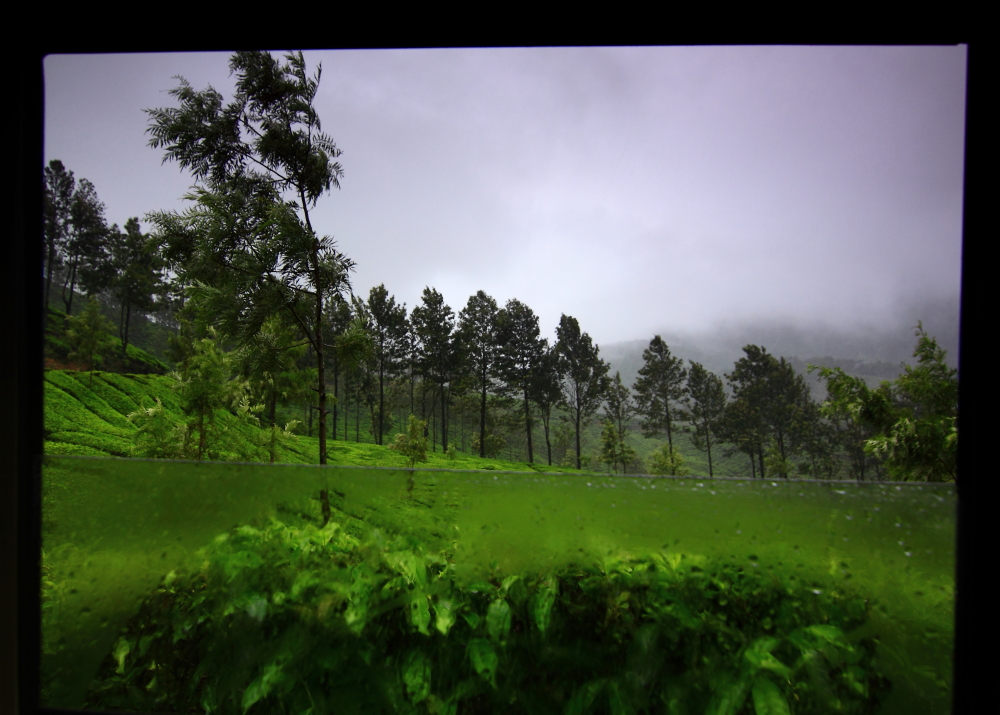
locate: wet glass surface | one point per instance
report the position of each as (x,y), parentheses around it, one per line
(115,529)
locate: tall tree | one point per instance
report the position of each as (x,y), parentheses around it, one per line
(521,356)
(706,399)
(338,319)
(659,388)
(545,389)
(586,375)
(478,333)
(86,247)
(619,404)
(388,329)
(136,276)
(433,327)
(746,423)
(248,156)
(58,198)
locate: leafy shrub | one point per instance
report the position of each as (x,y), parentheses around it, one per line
(295,618)
(666,462)
(412,444)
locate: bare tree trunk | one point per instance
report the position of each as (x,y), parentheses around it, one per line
(527,422)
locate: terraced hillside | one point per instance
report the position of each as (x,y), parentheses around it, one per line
(90,418)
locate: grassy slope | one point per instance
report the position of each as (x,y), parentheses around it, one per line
(90,418)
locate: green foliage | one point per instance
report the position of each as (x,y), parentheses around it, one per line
(667,461)
(913,420)
(157,435)
(706,400)
(585,376)
(293,618)
(614,451)
(412,444)
(89,335)
(492,449)
(658,388)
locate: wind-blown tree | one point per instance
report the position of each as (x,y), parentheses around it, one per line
(257,250)
(433,324)
(59,186)
(585,380)
(478,333)
(388,330)
(521,356)
(706,400)
(659,388)
(914,418)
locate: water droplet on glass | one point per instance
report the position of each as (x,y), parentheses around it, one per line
(817,591)
(774,484)
(898,525)
(909,553)
(588,484)
(849,517)
(713,491)
(738,531)
(840,491)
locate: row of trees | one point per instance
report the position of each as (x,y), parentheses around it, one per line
(246,260)
(83,254)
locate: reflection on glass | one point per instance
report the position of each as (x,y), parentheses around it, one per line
(215,587)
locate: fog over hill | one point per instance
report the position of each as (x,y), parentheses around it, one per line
(873,352)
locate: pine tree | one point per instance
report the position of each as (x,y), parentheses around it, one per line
(478,333)
(706,400)
(521,356)
(659,387)
(585,378)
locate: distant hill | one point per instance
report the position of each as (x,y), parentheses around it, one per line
(872,354)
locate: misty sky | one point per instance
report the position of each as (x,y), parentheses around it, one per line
(640,190)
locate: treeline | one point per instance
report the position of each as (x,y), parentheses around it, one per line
(244,266)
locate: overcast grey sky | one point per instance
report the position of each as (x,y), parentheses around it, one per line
(640,190)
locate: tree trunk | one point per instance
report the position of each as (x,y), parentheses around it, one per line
(577,421)
(444,418)
(381,399)
(708,444)
(336,387)
(527,422)
(482,420)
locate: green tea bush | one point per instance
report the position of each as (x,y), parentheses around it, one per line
(290,618)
